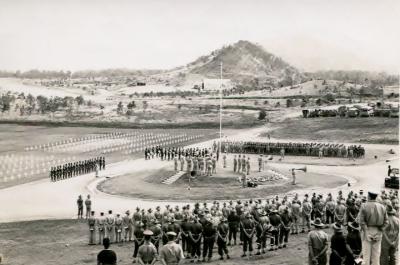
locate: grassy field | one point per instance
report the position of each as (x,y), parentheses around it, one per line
(14,138)
(64,242)
(362,130)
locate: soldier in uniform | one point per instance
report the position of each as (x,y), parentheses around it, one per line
(276,223)
(260,163)
(195,235)
(101,221)
(110,222)
(185,228)
(222,233)
(80,206)
(147,252)
(138,239)
(157,233)
(214,165)
(88,204)
(92,228)
(127,226)
(248,166)
(235,163)
(209,233)
(244,164)
(248,229)
(224,159)
(118,228)
(340,212)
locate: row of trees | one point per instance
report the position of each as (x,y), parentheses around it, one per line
(28,105)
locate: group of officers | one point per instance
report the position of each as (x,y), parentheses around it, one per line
(77,168)
(295,149)
(197,229)
(170,153)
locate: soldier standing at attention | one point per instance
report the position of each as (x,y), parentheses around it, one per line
(248,229)
(176,164)
(101,227)
(110,226)
(92,228)
(195,234)
(214,165)
(88,204)
(182,160)
(171,253)
(244,164)
(239,164)
(260,163)
(222,232)
(128,226)
(282,153)
(147,252)
(80,206)
(235,162)
(248,166)
(118,228)
(224,159)
(138,233)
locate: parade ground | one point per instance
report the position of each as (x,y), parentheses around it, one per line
(41,219)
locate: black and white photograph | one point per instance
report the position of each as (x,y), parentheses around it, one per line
(171,132)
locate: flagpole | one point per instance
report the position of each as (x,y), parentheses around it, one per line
(220,108)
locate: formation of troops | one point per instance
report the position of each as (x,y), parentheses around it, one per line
(258,225)
(77,168)
(202,161)
(295,149)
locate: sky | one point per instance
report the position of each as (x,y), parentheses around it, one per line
(160,34)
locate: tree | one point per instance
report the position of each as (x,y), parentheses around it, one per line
(131,105)
(120,108)
(289,103)
(262,115)
(79,100)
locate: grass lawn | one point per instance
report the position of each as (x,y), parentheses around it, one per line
(333,129)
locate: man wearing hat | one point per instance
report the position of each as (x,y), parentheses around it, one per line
(317,244)
(233,223)
(128,226)
(138,239)
(110,225)
(209,234)
(101,227)
(171,253)
(338,245)
(157,233)
(262,230)
(147,252)
(276,222)
(195,234)
(92,228)
(185,228)
(353,243)
(390,240)
(373,219)
(118,228)
(248,229)
(222,233)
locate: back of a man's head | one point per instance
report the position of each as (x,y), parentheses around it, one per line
(106,243)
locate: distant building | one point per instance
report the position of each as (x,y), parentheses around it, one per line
(215,84)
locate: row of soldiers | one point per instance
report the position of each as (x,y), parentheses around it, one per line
(169,153)
(77,168)
(252,221)
(201,165)
(296,149)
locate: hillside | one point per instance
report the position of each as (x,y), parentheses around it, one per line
(243,61)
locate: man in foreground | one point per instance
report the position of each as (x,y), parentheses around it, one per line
(171,253)
(106,256)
